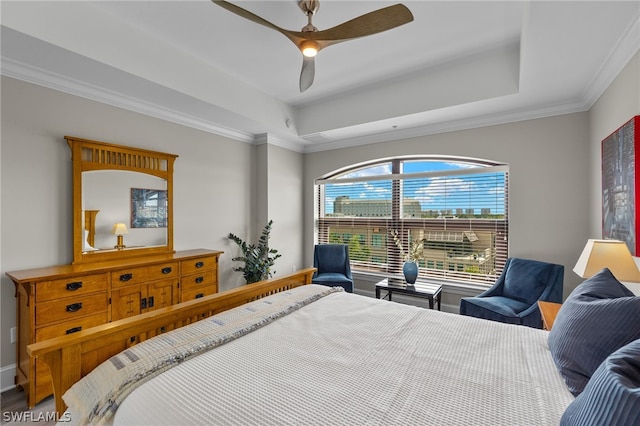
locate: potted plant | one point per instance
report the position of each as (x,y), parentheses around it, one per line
(410,257)
(258,258)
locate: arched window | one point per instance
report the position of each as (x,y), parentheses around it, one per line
(456,207)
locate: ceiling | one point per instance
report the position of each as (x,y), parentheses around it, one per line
(459,64)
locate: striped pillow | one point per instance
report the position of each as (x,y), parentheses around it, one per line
(599,317)
(612,396)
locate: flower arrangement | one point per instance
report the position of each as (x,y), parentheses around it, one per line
(415,252)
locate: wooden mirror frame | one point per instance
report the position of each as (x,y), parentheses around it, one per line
(88,155)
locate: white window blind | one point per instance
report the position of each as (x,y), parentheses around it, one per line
(457,208)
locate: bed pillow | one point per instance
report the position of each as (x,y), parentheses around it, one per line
(599,317)
(612,396)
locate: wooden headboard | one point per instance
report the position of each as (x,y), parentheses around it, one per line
(73,356)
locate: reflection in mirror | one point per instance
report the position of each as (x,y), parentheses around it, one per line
(110,192)
(148,208)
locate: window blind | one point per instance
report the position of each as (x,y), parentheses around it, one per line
(459,214)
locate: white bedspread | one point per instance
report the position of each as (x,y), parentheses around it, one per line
(352,360)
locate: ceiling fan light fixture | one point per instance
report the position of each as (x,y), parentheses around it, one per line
(309,48)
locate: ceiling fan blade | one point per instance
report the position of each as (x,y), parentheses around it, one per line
(371,23)
(307,74)
(291,35)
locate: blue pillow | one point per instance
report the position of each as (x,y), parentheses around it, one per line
(612,396)
(599,317)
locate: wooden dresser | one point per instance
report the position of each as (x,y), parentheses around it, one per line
(59,300)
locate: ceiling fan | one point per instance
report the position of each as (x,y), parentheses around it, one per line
(310,41)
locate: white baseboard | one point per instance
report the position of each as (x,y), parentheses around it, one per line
(7,377)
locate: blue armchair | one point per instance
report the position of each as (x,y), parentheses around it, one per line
(514,297)
(332,264)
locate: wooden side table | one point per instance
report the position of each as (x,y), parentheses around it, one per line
(549,311)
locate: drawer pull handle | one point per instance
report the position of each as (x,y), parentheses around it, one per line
(126,277)
(143,303)
(74,307)
(73,330)
(76,285)
(167,270)
(199,295)
(199,280)
(150,304)
(199,264)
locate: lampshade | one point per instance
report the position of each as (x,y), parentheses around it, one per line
(612,254)
(119,229)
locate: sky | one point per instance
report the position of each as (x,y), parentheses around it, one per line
(434,193)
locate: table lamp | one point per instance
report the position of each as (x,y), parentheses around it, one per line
(612,254)
(119,229)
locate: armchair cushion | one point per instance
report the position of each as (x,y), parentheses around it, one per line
(525,280)
(332,258)
(330,277)
(600,316)
(496,308)
(502,305)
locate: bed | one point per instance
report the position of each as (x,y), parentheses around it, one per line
(285,351)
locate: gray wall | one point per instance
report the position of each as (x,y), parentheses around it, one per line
(616,106)
(215,190)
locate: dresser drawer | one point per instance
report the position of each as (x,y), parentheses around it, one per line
(196,281)
(70,308)
(69,327)
(193,266)
(77,286)
(197,293)
(144,274)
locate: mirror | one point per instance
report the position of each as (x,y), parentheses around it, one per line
(116,196)
(124,186)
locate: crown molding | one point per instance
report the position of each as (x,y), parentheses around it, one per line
(621,54)
(270,139)
(45,78)
(450,126)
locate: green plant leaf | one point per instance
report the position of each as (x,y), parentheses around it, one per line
(258,258)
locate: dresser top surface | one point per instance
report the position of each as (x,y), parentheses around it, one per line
(59,271)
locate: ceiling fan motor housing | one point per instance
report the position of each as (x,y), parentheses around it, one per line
(309,7)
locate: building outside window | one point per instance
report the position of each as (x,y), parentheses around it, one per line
(457,206)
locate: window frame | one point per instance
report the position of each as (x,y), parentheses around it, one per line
(498,228)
